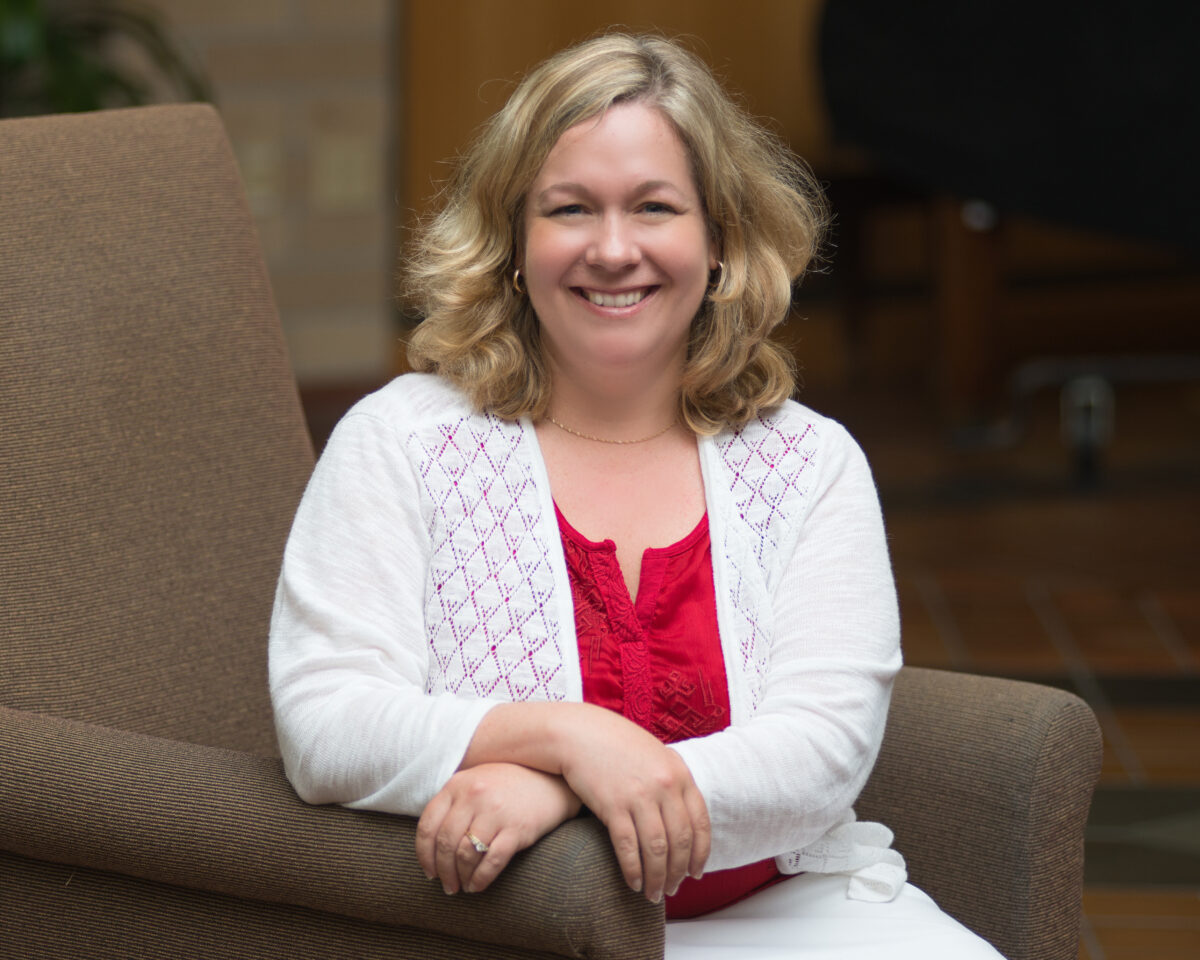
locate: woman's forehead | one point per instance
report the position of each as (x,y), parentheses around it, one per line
(632,139)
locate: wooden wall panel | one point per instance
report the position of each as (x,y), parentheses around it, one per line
(460,58)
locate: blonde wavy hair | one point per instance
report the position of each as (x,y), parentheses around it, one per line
(763,208)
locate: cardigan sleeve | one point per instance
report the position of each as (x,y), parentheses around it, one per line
(348,656)
(783,779)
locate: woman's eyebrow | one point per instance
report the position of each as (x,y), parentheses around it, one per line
(646,186)
(565,186)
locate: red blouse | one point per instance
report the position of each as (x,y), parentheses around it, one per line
(659,663)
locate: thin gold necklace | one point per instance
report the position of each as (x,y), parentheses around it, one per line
(588,436)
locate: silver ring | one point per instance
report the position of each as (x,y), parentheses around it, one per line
(479,845)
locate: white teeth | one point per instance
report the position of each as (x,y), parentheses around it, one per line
(615,299)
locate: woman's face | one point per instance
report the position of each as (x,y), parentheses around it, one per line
(617,251)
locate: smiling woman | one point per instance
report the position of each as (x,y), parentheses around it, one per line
(593,556)
(484,336)
(617,258)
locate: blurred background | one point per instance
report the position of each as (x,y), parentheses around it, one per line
(1006,315)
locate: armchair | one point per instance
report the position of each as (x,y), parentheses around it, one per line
(152,452)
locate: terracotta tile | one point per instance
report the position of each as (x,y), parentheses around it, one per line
(921,641)
(1182,611)
(1106,903)
(1111,631)
(1138,923)
(1118,539)
(1139,941)
(1165,740)
(1087,940)
(1112,771)
(998,627)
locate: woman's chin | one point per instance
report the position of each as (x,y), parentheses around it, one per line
(614,357)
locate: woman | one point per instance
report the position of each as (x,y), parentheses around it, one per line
(595,525)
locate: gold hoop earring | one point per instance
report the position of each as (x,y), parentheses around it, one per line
(516,282)
(720,276)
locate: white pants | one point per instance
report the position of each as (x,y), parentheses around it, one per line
(809,917)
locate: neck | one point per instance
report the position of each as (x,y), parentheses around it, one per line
(614,407)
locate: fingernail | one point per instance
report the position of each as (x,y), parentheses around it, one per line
(446,889)
(657,898)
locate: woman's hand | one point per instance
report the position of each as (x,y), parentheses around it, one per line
(640,789)
(506,806)
(644,793)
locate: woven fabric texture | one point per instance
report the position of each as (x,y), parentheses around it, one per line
(986,783)
(225,822)
(152,447)
(59,912)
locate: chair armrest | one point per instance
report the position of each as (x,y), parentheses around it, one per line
(987,783)
(227,822)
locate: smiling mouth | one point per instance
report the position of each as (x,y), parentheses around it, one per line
(627,299)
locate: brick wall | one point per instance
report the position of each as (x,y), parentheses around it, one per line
(305,89)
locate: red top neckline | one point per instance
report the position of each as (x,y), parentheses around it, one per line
(674,549)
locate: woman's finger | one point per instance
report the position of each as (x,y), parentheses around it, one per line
(488,866)
(653,847)
(469,855)
(451,836)
(626,845)
(677,823)
(427,831)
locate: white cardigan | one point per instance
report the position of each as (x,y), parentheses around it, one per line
(424,582)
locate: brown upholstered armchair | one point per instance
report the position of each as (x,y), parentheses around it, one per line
(152,451)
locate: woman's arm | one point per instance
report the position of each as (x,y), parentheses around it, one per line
(639,788)
(349,661)
(348,668)
(348,653)
(782,780)
(531,765)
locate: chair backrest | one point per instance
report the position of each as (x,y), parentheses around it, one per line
(152,446)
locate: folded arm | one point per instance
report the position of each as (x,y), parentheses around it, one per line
(781,780)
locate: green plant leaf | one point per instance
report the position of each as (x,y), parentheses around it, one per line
(57,57)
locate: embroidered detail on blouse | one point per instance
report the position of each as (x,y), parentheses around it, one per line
(690,708)
(490,613)
(596,591)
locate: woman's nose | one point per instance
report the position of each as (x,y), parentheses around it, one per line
(614,246)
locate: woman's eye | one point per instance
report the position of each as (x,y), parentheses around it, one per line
(567,210)
(656,207)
